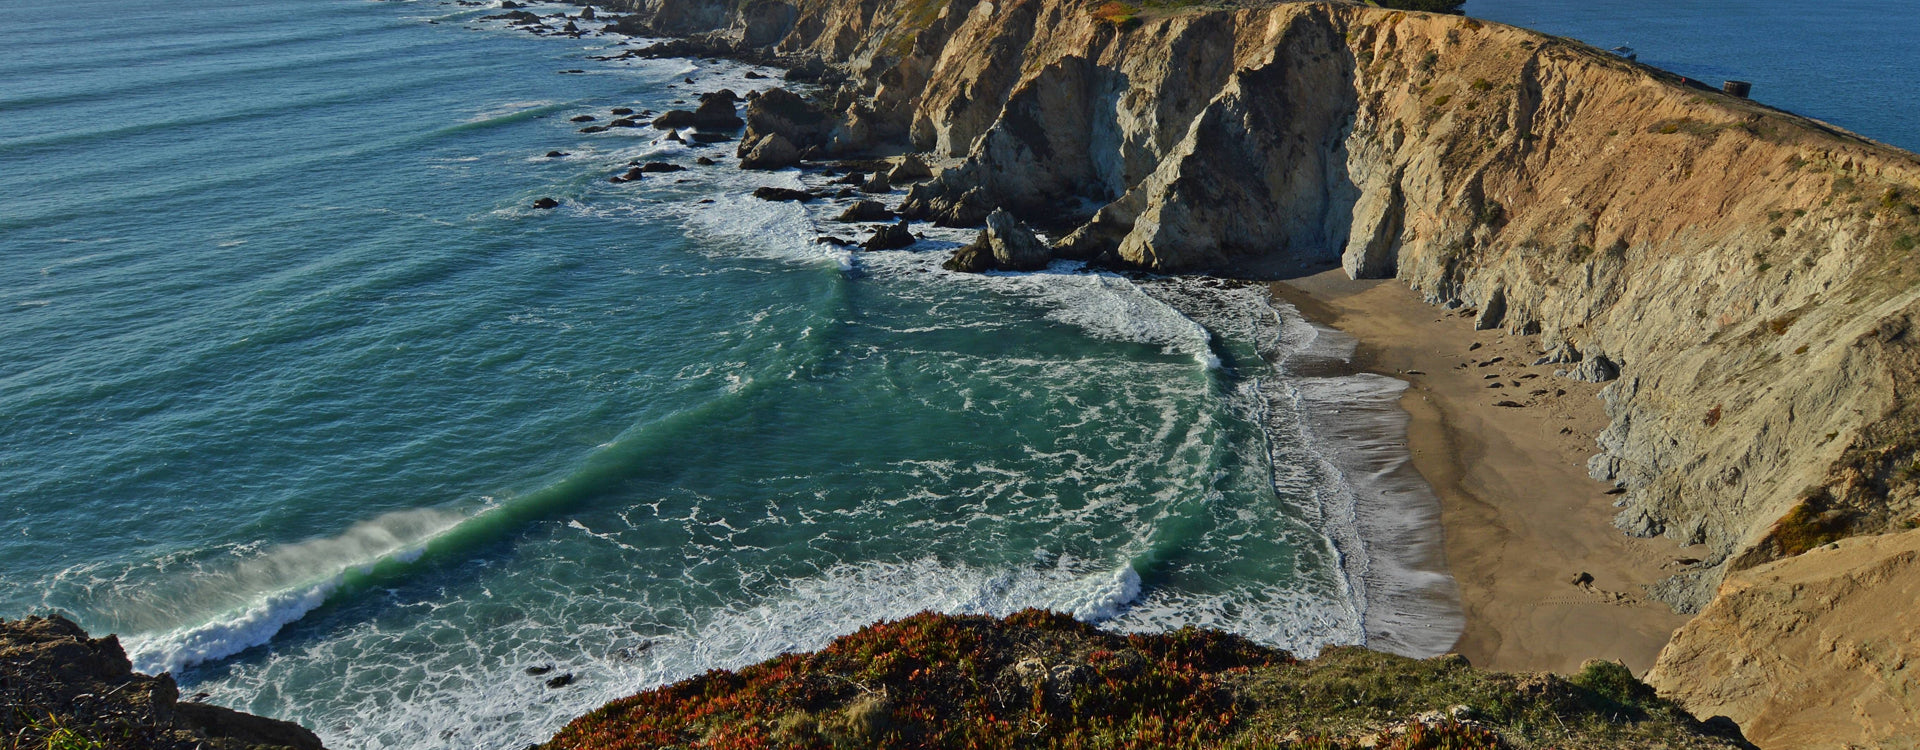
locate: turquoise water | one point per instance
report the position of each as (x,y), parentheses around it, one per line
(305,402)
(1852,63)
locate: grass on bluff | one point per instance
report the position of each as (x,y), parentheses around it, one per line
(1044,680)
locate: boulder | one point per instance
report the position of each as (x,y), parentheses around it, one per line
(661,166)
(782,194)
(1596,369)
(974,257)
(877,184)
(624,122)
(772,151)
(674,136)
(1015,247)
(705,161)
(622,111)
(557,154)
(594,129)
(1564,354)
(673,119)
(582,118)
(781,112)
(910,169)
(716,111)
(586,14)
(891,237)
(865,211)
(754,76)
(545,203)
(703,137)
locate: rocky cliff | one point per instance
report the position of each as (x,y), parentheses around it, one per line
(1818,651)
(62,689)
(1744,276)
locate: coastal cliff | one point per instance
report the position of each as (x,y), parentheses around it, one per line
(1740,276)
(1744,272)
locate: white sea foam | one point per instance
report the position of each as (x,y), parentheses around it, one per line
(255,626)
(1381,515)
(214,610)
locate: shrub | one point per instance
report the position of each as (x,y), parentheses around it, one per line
(1118,14)
(1428,6)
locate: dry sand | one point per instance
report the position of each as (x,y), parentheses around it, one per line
(1520,518)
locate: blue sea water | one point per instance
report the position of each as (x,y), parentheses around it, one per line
(304,400)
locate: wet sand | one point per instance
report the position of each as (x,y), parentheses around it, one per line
(1520,518)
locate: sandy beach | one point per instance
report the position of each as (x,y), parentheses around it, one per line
(1521,520)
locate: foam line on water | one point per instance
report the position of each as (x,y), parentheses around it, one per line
(1380,514)
(1110,306)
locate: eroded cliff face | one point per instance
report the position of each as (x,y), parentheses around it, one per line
(1747,274)
(1816,651)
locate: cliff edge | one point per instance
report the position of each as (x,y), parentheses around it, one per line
(1039,679)
(62,689)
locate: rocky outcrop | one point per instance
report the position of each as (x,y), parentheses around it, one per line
(1821,650)
(63,689)
(1743,278)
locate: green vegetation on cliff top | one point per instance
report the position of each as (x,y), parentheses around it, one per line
(1039,679)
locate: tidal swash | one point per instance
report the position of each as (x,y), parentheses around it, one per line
(303,400)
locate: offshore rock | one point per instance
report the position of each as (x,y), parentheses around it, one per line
(973,257)
(865,211)
(783,194)
(781,112)
(892,237)
(716,111)
(772,151)
(1015,247)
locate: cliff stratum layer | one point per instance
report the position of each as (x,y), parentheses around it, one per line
(1745,276)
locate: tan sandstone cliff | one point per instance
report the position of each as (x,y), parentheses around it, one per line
(1746,274)
(1818,651)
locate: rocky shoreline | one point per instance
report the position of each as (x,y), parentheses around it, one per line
(1739,277)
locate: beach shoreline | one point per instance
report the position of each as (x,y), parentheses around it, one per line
(1522,525)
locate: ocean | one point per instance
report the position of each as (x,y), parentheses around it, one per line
(305,401)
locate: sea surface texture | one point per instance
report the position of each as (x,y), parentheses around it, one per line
(301,397)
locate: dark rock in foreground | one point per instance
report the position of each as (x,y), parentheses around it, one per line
(545,203)
(65,690)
